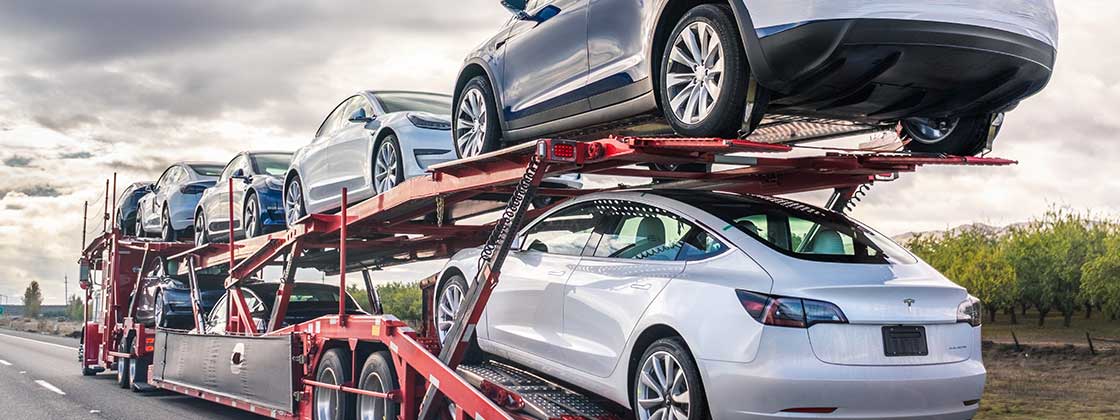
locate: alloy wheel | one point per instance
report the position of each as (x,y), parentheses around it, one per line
(694,78)
(165,227)
(326,401)
(930,130)
(385,167)
(200,230)
(293,203)
(662,392)
(449,303)
(470,134)
(250,218)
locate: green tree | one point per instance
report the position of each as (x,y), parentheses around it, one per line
(32,300)
(1100,277)
(400,299)
(75,308)
(974,259)
(1033,264)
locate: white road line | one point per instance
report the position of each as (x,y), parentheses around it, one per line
(49,387)
(5,362)
(40,342)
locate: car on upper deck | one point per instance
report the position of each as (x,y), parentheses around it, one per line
(944,70)
(168,209)
(128,204)
(258,183)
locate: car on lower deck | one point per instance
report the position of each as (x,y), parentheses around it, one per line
(258,183)
(165,299)
(307,301)
(691,304)
(168,210)
(946,70)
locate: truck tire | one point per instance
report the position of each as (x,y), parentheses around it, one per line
(122,372)
(378,375)
(334,369)
(138,374)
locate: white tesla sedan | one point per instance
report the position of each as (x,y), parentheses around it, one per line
(371,142)
(683,304)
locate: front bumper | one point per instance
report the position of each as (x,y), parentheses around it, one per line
(876,70)
(786,374)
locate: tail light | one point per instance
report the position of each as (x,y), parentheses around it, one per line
(564,151)
(792,312)
(970,311)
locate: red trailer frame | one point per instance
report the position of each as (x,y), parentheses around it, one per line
(391,229)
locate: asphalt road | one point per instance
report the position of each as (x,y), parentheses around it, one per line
(40,379)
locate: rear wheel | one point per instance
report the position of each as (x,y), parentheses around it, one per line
(451,295)
(334,369)
(704,74)
(388,170)
(122,372)
(475,125)
(293,201)
(161,310)
(965,136)
(166,231)
(378,375)
(667,384)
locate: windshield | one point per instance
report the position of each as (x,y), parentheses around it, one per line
(275,164)
(305,297)
(207,170)
(798,229)
(413,101)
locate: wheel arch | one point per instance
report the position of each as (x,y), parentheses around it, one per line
(473,68)
(647,337)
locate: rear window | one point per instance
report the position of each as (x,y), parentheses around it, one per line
(798,229)
(207,170)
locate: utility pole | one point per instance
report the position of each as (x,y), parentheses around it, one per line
(66,288)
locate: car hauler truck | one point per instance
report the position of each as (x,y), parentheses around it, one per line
(388,368)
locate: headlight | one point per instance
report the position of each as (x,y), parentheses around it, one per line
(970,311)
(428,122)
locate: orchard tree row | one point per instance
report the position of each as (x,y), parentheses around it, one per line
(1063,262)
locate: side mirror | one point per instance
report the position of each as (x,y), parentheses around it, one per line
(360,116)
(239,173)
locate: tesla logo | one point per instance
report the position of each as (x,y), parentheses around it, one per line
(909,304)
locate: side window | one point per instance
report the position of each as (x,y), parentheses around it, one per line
(165,179)
(641,232)
(563,233)
(218,317)
(230,167)
(333,120)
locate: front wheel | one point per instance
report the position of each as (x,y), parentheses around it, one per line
(667,384)
(965,136)
(704,75)
(166,231)
(252,216)
(138,374)
(475,125)
(451,295)
(388,170)
(201,234)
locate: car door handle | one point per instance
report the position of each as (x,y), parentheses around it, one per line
(640,286)
(557,273)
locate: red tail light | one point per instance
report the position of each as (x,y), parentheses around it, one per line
(788,311)
(566,151)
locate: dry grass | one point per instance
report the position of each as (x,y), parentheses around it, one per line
(1053,333)
(1050,382)
(43,326)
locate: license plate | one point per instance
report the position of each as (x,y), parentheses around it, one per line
(899,341)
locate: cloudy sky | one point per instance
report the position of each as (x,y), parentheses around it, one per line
(89,88)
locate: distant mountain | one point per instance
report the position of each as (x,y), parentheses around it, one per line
(993,230)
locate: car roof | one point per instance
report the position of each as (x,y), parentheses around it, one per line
(376,92)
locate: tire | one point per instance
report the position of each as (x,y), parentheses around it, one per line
(161,310)
(646,401)
(251,216)
(138,374)
(965,136)
(166,231)
(294,206)
(86,371)
(444,313)
(122,372)
(716,110)
(201,234)
(334,368)
(388,165)
(139,225)
(478,110)
(378,375)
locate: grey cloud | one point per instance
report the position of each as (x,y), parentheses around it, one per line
(43,190)
(76,155)
(17,161)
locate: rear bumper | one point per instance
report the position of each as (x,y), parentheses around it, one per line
(876,70)
(787,375)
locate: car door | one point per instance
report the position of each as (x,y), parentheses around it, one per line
(633,258)
(350,153)
(617,54)
(240,188)
(525,309)
(545,65)
(217,202)
(315,167)
(166,185)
